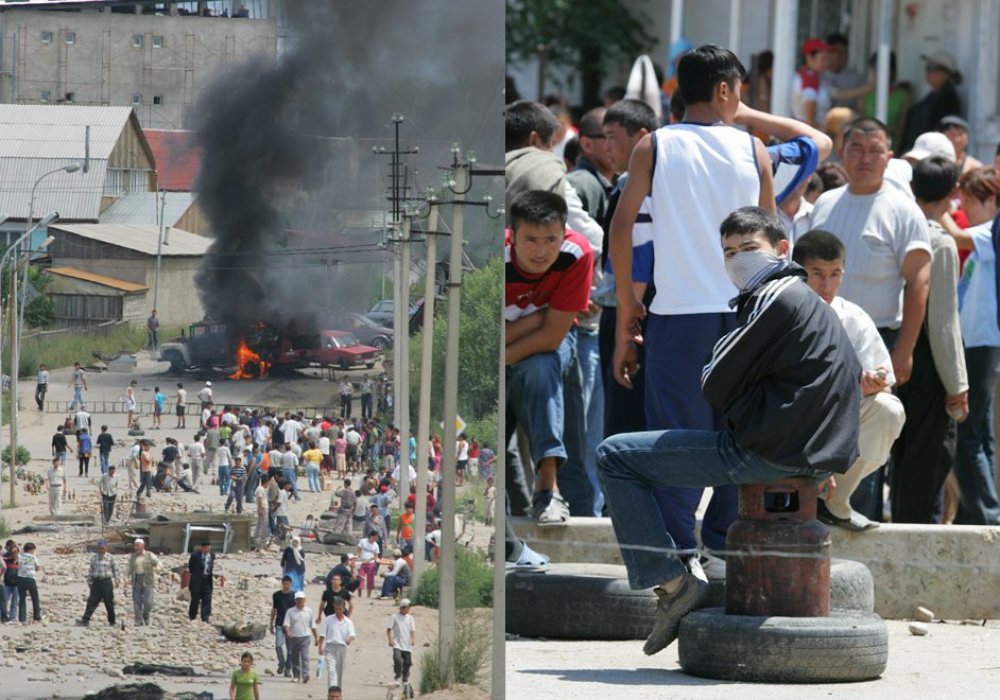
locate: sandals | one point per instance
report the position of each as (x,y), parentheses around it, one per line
(526,559)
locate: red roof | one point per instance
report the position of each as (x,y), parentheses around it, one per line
(177,160)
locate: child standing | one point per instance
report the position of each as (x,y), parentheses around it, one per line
(244,683)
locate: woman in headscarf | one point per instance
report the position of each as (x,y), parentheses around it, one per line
(293,564)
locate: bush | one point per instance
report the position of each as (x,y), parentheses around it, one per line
(473,582)
(23,456)
(468,655)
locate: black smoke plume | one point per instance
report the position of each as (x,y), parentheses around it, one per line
(288,177)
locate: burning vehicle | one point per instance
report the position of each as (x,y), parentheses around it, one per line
(260,350)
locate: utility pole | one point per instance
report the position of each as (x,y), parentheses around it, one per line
(426,382)
(461,182)
(401,303)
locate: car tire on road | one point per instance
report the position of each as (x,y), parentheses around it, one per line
(594,601)
(846,646)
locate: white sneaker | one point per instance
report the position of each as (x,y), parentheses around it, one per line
(714,568)
(693,564)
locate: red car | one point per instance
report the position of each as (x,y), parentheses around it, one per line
(335,349)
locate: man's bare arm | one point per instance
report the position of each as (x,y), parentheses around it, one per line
(766,200)
(917,275)
(546,339)
(515,330)
(783,128)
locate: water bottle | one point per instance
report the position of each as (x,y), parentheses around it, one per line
(319,668)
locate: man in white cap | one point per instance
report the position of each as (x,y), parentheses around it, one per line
(932,143)
(141,571)
(335,635)
(205,395)
(401,631)
(298,625)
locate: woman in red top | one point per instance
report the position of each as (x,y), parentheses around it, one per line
(474,456)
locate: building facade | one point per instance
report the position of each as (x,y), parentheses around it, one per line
(156,64)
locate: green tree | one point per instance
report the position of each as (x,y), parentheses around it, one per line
(586,37)
(479,348)
(40,311)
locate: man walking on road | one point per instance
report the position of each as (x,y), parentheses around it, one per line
(109,493)
(102,578)
(298,625)
(79,384)
(141,571)
(335,635)
(402,635)
(201,566)
(152,326)
(41,386)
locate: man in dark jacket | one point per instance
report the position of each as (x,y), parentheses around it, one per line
(201,566)
(786,381)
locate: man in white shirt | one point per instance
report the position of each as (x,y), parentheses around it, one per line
(181,406)
(346,390)
(260,500)
(289,469)
(335,635)
(196,455)
(205,396)
(298,625)
(888,256)
(109,492)
(223,460)
(401,631)
(821,254)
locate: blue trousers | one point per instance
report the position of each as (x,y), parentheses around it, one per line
(535,396)
(633,464)
(677,348)
(977,488)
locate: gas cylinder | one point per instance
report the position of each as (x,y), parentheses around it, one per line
(778,554)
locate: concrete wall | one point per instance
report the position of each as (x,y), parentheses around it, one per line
(102,66)
(178,302)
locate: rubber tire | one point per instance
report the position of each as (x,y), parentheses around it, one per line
(344,365)
(380,343)
(594,601)
(846,646)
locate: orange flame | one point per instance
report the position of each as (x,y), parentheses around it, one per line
(249,365)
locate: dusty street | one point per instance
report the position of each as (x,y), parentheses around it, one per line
(55,658)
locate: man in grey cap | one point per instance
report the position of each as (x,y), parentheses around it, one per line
(957,131)
(102,577)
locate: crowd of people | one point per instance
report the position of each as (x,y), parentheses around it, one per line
(618,292)
(255,458)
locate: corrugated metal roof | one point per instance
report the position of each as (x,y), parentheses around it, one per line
(139,238)
(57,131)
(141,208)
(122,285)
(177,161)
(36,139)
(74,195)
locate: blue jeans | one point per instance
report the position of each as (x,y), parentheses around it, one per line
(391,584)
(535,392)
(974,455)
(280,647)
(589,353)
(77,398)
(632,464)
(10,600)
(291,476)
(105,461)
(223,479)
(312,474)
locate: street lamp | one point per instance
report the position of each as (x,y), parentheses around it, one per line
(15,355)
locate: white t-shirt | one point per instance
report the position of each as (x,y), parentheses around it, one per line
(299,622)
(182,397)
(461,450)
(878,230)
(290,430)
(411,471)
(223,457)
(701,174)
(335,631)
(260,498)
(865,340)
(282,509)
(56,478)
(403,627)
(205,395)
(353,437)
(324,445)
(369,550)
(196,450)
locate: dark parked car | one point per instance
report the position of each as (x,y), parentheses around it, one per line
(366,330)
(383,313)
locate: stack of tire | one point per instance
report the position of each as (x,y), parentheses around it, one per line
(594,602)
